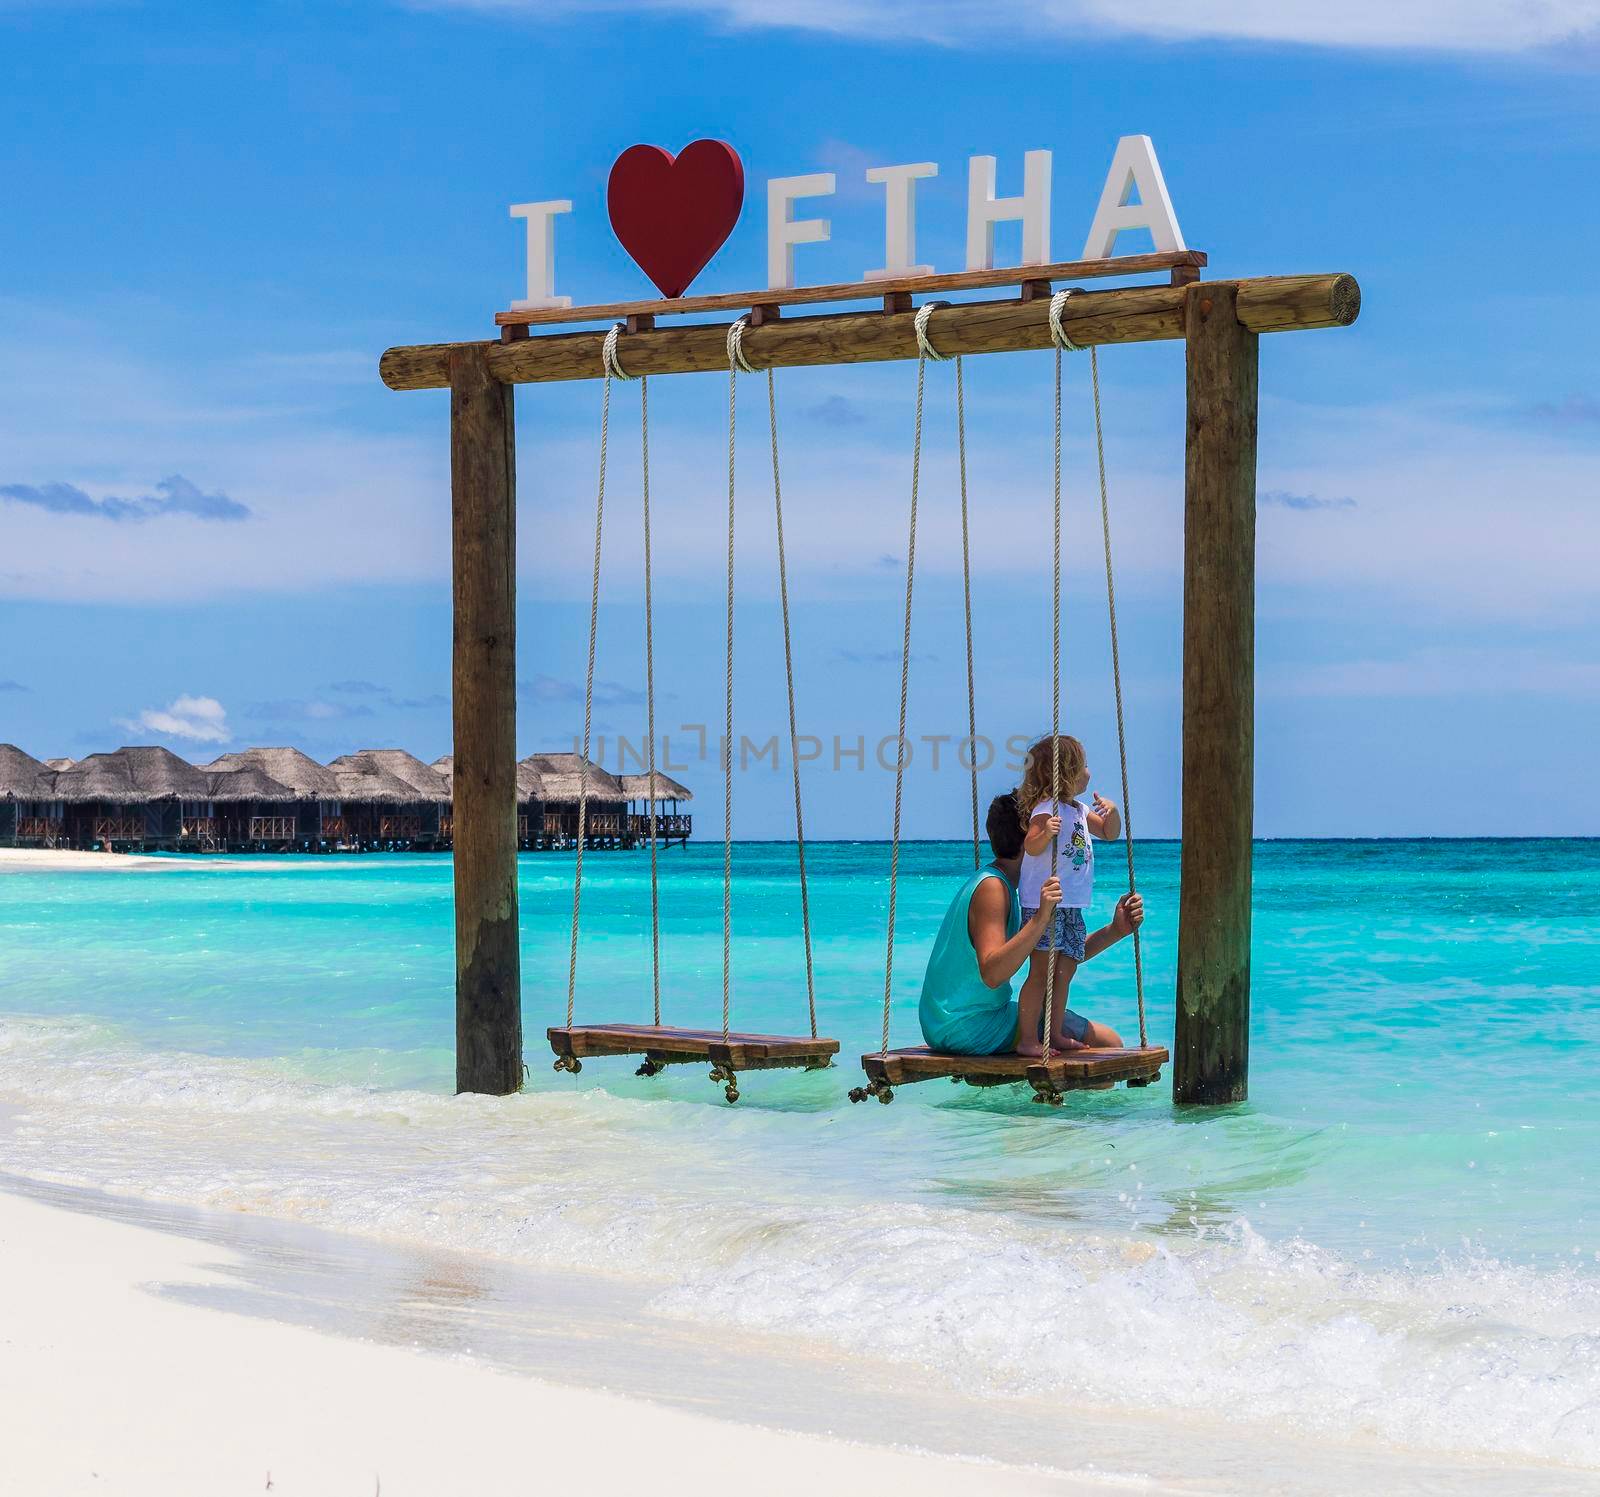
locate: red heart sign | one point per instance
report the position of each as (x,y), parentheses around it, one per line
(673,214)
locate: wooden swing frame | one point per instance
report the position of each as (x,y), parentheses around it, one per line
(1220,323)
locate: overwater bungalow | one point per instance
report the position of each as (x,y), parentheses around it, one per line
(30,814)
(672,825)
(381,810)
(279,799)
(252,812)
(560,778)
(312,800)
(445,767)
(424,779)
(137,797)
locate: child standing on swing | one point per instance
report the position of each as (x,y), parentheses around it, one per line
(1072,828)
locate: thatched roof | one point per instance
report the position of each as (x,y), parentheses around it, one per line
(445,767)
(297,773)
(23,777)
(407,768)
(360,779)
(250,783)
(59,763)
(132,776)
(637,787)
(561,776)
(530,783)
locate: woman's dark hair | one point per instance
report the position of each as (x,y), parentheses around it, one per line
(1005,831)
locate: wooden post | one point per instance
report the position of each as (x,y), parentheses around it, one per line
(483,493)
(1212,1043)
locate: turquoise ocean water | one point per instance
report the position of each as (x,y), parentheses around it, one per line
(1396,1239)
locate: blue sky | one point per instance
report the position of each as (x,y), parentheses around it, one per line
(218,528)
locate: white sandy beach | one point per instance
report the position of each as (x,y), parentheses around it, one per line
(49,859)
(109,1387)
(72,860)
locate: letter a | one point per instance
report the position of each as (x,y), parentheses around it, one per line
(1133,169)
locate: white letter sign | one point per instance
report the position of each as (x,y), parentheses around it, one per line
(784,231)
(541,254)
(1133,169)
(900,218)
(985,210)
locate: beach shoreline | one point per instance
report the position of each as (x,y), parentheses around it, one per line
(185,1398)
(63,860)
(325,1360)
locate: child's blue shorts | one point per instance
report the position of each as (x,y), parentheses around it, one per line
(1066,932)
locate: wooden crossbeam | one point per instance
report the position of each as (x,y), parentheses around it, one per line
(1129,314)
(1184,266)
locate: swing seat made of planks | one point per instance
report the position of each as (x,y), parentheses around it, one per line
(1073,1070)
(661,1046)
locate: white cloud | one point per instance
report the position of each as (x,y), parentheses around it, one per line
(199,719)
(1427,25)
(330,502)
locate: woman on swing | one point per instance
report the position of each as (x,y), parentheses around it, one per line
(967,1007)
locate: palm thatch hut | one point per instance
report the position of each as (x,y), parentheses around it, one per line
(560,779)
(313,795)
(445,767)
(30,814)
(431,809)
(666,794)
(381,810)
(142,796)
(253,812)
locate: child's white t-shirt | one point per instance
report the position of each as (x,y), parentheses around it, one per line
(1074,861)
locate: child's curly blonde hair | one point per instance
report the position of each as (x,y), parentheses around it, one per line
(1060,755)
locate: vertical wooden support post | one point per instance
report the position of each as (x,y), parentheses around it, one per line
(1212,1046)
(483,494)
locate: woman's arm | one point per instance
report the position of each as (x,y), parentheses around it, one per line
(999,958)
(1042,830)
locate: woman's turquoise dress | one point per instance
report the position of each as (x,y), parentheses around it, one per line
(960,1014)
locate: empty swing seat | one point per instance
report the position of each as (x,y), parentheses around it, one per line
(665,1045)
(1050,1079)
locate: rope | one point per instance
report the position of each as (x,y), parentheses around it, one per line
(735,359)
(650,706)
(926,350)
(736,346)
(614,369)
(1059,336)
(608,352)
(794,732)
(966,597)
(1116,677)
(905,677)
(1055,709)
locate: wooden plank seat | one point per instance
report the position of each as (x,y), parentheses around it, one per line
(662,1046)
(1050,1080)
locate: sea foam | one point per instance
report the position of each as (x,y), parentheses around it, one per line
(1458,1354)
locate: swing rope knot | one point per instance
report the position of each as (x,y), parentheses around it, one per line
(736,346)
(608,353)
(1058,334)
(920,325)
